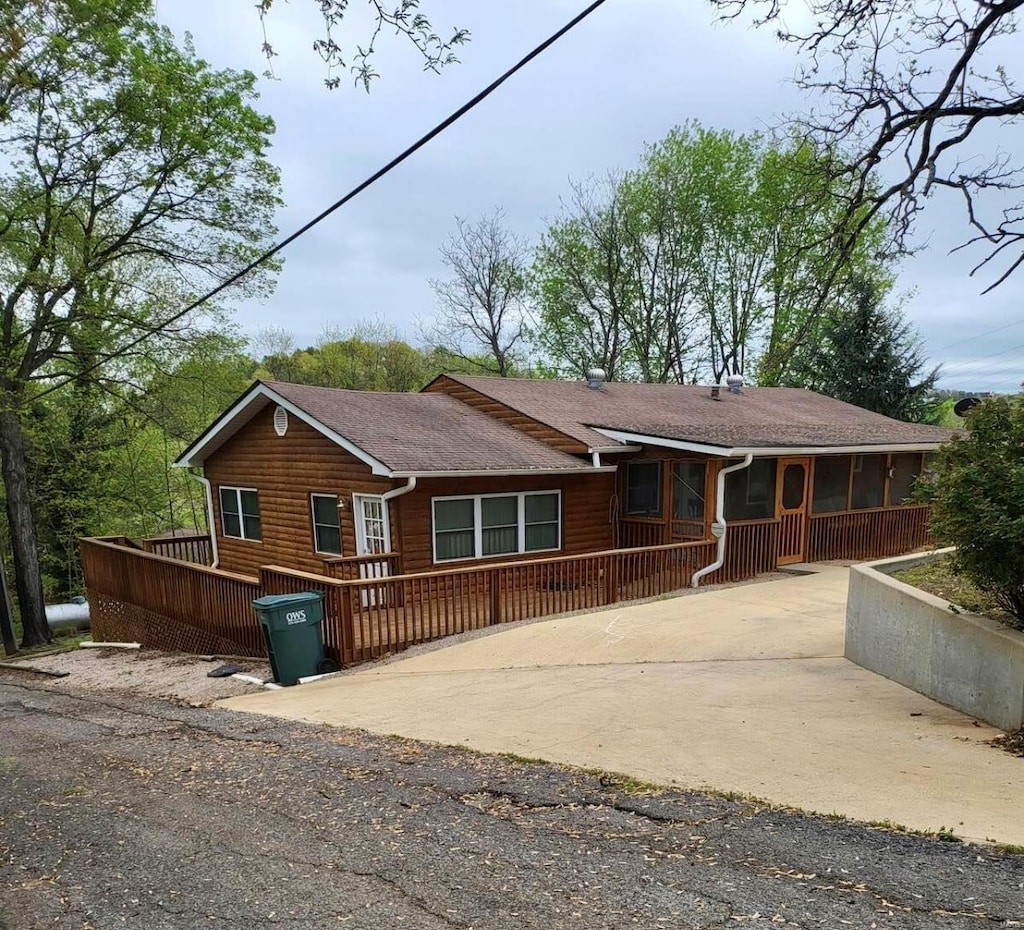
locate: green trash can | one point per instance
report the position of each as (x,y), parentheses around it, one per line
(291,628)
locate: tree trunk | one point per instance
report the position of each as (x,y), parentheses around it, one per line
(27,580)
(6,626)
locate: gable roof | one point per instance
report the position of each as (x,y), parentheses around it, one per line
(396,435)
(766,420)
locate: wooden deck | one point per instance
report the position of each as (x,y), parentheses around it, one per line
(172,604)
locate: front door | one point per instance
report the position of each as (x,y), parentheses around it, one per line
(791,508)
(373,537)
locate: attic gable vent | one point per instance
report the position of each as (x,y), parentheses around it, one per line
(280,421)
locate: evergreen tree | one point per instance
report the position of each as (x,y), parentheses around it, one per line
(870,355)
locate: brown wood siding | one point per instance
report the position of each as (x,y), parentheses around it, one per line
(585,516)
(285,470)
(507,415)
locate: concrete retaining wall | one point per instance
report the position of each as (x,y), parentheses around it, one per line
(968,662)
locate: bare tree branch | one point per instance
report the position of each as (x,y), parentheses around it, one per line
(920,93)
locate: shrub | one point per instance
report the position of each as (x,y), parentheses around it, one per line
(977,496)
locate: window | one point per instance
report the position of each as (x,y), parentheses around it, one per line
(499,517)
(543,523)
(326,526)
(488,525)
(868,481)
(643,489)
(240,513)
(903,472)
(750,492)
(454,529)
(831,484)
(688,480)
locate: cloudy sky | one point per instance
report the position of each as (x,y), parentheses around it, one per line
(625,77)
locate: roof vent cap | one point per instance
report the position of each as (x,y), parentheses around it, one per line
(735,384)
(280,421)
(595,378)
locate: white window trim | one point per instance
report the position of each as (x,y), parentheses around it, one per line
(478,531)
(312,518)
(357,508)
(241,518)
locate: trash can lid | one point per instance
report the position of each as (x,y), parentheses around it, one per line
(286,600)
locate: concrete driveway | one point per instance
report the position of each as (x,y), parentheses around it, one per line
(738,689)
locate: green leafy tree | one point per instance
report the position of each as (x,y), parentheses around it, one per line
(869,355)
(583,287)
(977,496)
(714,256)
(368,357)
(404,19)
(132,176)
(100,461)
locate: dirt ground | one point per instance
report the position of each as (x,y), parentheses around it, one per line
(145,672)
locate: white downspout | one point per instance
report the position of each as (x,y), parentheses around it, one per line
(210,522)
(719,524)
(389,496)
(595,459)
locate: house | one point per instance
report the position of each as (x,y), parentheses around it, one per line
(482,500)
(477,470)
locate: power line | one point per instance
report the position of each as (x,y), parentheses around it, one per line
(985,360)
(987,332)
(372,179)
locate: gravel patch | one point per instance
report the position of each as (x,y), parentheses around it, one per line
(146,672)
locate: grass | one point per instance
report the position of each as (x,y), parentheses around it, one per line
(936,577)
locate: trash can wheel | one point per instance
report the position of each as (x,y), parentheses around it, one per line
(326,667)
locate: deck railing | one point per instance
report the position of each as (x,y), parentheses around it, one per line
(868,534)
(169,604)
(165,603)
(353,567)
(193,548)
(382,615)
(635,533)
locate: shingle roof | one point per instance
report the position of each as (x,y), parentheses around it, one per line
(422,433)
(757,418)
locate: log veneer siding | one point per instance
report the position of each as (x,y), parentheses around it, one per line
(507,415)
(585,518)
(285,470)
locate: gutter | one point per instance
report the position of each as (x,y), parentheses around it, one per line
(211,523)
(718,528)
(503,472)
(703,448)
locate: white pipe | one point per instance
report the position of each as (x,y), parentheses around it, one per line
(308,678)
(595,458)
(388,496)
(252,679)
(210,522)
(720,518)
(90,644)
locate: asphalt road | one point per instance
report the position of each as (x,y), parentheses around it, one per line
(125,812)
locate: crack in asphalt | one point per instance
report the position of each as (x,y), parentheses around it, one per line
(395,804)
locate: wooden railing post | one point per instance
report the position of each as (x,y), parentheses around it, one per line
(346,637)
(611,580)
(494,583)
